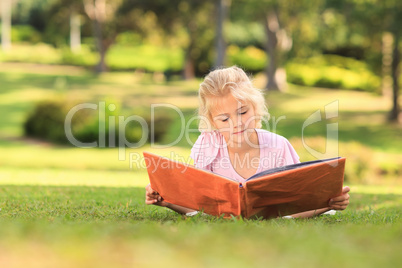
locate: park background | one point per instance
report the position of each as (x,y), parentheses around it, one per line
(84,207)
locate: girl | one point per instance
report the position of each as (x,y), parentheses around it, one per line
(232,142)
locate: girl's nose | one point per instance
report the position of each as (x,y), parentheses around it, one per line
(238,122)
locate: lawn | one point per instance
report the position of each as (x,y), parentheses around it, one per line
(62,206)
(87,226)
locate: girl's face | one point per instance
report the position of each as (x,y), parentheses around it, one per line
(234,119)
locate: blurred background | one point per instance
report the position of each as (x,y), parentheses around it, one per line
(130,54)
(64,206)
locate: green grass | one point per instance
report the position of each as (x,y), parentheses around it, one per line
(62,206)
(102,226)
(119,57)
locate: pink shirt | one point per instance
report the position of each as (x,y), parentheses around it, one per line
(210,153)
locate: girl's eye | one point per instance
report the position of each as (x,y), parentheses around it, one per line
(244,112)
(225,120)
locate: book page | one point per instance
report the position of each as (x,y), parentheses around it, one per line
(290,167)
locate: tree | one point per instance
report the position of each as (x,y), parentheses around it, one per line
(379,18)
(57,29)
(6,24)
(394,26)
(104,19)
(280,18)
(75,32)
(193,17)
(221,9)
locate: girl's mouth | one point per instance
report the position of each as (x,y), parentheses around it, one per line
(240,132)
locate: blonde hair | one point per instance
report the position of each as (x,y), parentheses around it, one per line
(223,81)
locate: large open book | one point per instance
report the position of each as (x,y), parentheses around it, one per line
(275,192)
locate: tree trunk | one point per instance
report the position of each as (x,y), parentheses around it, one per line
(271,27)
(96,11)
(5,24)
(75,32)
(396,57)
(189,62)
(101,66)
(221,8)
(386,81)
(189,69)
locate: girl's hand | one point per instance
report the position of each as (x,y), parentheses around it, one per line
(340,202)
(153,198)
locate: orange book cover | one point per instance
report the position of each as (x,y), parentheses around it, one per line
(271,193)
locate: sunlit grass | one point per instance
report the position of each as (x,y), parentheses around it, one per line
(44,155)
(68,177)
(86,226)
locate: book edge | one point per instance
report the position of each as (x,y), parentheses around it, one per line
(190,166)
(261,174)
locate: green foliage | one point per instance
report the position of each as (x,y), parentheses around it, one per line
(107,121)
(85,57)
(328,71)
(38,53)
(252,59)
(147,57)
(25,33)
(46,122)
(129,38)
(332,71)
(245,34)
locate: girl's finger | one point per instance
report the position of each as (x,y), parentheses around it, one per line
(340,198)
(151,201)
(339,203)
(153,197)
(345,189)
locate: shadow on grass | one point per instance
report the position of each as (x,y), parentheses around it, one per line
(11,82)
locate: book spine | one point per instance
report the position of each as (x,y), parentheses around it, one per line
(242,201)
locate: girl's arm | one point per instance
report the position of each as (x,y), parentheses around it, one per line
(153,198)
(337,203)
(179,209)
(310,213)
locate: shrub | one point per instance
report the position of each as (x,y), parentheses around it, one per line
(85,57)
(332,71)
(147,57)
(38,53)
(245,34)
(46,122)
(250,58)
(25,33)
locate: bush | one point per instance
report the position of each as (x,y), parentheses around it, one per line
(332,71)
(245,34)
(25,33)
(46,122)
(85,57)
(147,57)
(38,53)
(250,58)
